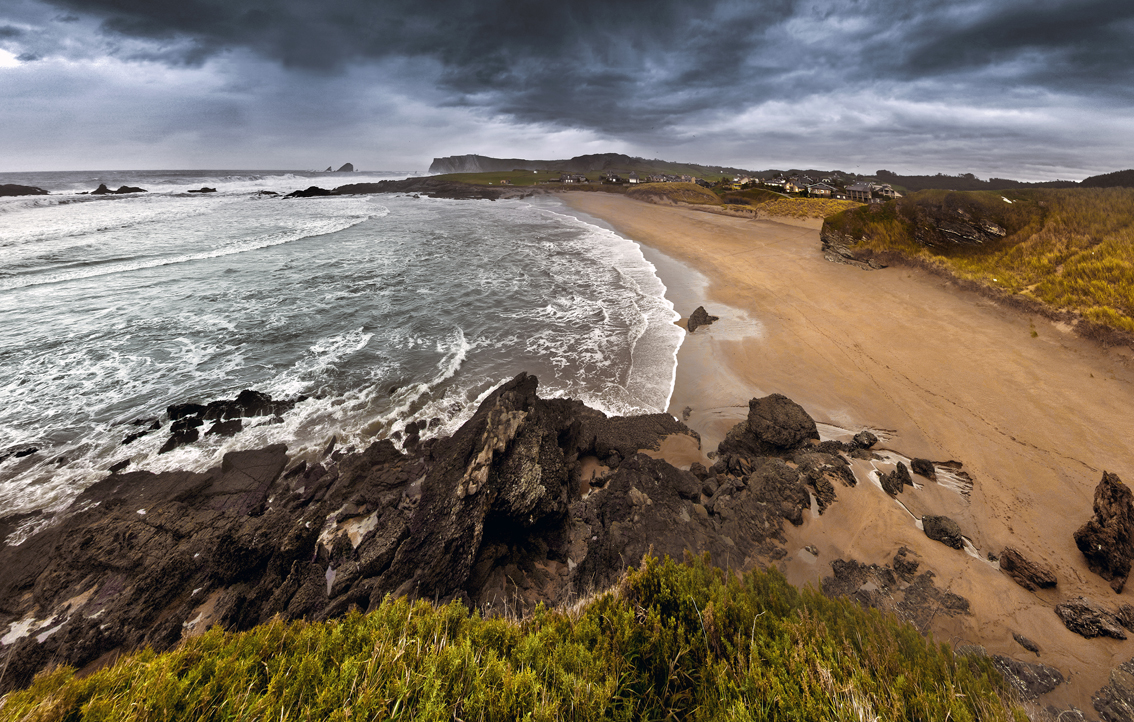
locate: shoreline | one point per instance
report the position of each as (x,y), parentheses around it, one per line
(935,372)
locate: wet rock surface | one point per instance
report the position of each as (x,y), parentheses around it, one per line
(1031,679)
(700,317)
(1107,539)
(495,515)
(1115,701)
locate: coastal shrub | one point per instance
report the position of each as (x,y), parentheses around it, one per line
(680,641)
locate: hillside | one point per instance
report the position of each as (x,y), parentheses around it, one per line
(1070,250)
(683,641)
(579,164)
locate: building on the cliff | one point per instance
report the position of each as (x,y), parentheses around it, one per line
(860,192)
(820,190)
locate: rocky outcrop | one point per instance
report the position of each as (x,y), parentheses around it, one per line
(497,515)
(187,418)
(899,588)
(346,168)
(13,189)
(944,530)
(1028,574)
(838,247)
(310,192)
(1086,618)
(1031,679)
(204,190)
(1107,539)
(896,480)
(699,318)
(864,440)
(924,467)
(775,425)
(1115,701)
(103,190)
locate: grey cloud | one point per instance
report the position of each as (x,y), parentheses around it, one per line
(7,31)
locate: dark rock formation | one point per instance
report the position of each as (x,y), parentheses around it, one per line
(1125,616)
(345,168)
(1026,573)
(924,467)
(838,247)
(944,530)
(494,515)
(1115,701)
(864,440)
(1026,643)
(699,318)
(896,480)
(103,190)
(227,413)
(204,190)
(1031,678)
(17,452)
(310,192)
(12,189)
(1084,617)
(775,425)
(899,589)
(823,473)
(1107,539)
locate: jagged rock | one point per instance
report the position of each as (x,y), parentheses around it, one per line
(1107,539)
(182,432)
(226,428)
(775,425)
(924,467)
(896,480)
(699,318)
(944,530)
(1125,616)
(1115,701)
(103,190)
(1031,678)
(865,440)
(310,192)
(823,472)
(1084,617)
(12,189)
(915,599)
(779,486)
(1026,643)
(1028,574)
(904,565)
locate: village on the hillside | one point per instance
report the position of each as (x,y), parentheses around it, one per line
(835,187)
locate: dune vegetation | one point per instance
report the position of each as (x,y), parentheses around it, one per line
(1071,249)
(805,207)
(673,640)
(674,192)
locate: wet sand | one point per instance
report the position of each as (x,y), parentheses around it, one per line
(936,373)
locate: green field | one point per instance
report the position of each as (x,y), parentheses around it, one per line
(1071,249)
(672,641)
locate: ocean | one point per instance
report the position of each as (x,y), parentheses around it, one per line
(379,309)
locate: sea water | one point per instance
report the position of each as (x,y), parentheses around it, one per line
(379,309)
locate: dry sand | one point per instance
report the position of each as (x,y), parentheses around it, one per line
(936,373)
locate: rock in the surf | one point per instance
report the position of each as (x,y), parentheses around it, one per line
(310,192)
(699,318)
(204,190)
(1088,619)
(1107,539)
(13,189)
(944,530)
(1026,573)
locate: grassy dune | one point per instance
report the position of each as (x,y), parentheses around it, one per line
(675,192)
(680,641)
(806,207)
(1072,249)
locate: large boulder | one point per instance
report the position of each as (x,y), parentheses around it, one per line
(896,480)
(1026,573)
(1031,678)
(1115,701)
(775,425)
(944,530)
(1107,539)
(1086,618)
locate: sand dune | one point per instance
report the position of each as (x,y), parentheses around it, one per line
(941,374)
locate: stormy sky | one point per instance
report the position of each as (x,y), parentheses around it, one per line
(1035,89)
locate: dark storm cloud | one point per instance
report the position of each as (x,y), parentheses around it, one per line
(7,31)
(597,63)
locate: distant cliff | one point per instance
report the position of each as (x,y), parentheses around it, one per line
(578,164)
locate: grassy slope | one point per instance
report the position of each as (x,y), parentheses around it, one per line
(1071,249)
(677,192)
(680,640)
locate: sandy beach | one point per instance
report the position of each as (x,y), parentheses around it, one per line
(935,372)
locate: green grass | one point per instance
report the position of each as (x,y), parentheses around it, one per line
(677,192)
(1071,249)
(673,641)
